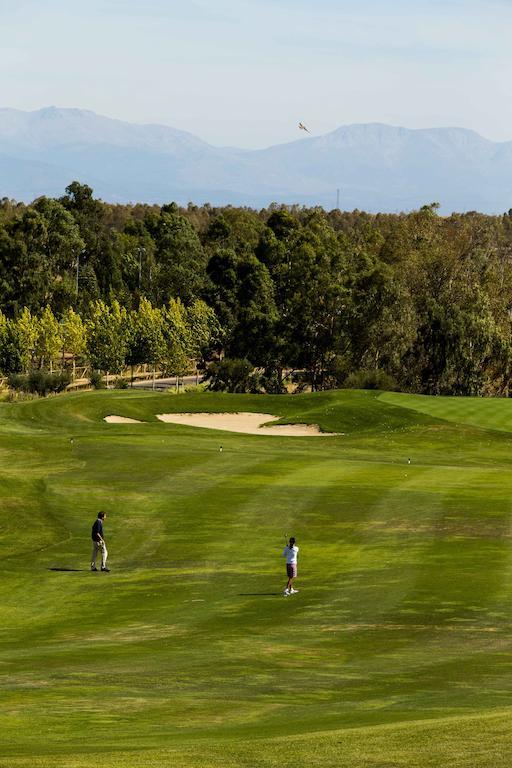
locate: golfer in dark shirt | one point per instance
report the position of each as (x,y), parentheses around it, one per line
(98,543)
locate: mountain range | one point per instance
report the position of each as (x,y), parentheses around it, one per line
(375,167)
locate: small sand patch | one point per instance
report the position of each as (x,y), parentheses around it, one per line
(246,423)
(121,420)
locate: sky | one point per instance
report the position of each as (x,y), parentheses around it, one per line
(245,72)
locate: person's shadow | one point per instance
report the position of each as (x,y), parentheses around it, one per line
(259,594)
(68,570)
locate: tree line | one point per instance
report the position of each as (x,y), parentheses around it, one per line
(110,338)
(416,301)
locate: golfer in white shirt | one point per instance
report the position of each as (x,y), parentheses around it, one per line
(291,552)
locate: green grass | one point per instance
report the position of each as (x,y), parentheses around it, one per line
(396,651)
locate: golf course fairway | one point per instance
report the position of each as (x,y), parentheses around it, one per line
(396,652)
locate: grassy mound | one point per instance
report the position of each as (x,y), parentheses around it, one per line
(396,651)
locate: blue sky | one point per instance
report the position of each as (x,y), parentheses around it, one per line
(244,72)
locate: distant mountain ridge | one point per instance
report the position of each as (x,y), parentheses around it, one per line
(376,167)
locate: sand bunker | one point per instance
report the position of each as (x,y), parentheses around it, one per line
(247,423)
(121,420)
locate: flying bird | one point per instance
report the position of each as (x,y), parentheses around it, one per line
(303,128)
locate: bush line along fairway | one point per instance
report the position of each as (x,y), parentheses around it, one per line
(396,652)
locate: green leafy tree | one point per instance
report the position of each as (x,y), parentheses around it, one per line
(231,375)
(178,341)
(37,251)
(204,329)
(4,325)
(62,247)
(17,343)
(12,351)
(23,257)
(222,287)
(146,339)
(138,259)
(252,337)
(48,342)
(100,270)
(306,263)
(74,335)
(27,332)
(180,256)
(107,337)
(218,233)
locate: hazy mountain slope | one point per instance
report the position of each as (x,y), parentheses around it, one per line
(376,167)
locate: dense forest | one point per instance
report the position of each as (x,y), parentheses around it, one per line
(414,301)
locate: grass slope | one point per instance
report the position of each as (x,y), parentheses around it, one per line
(396,652)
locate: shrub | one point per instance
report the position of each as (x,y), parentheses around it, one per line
(337,372)
(231,376)
(18,382)
(39,382)
(370,379)
(121,383)
(42,382)
(96,380)
(269,382)
(60,381)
